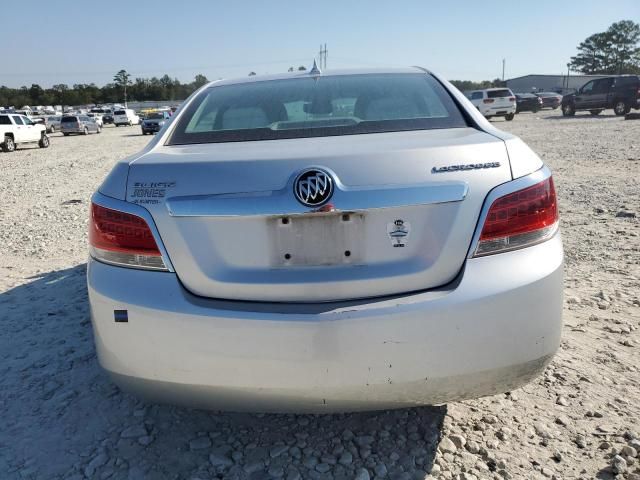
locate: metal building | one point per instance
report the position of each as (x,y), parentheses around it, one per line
(549,83)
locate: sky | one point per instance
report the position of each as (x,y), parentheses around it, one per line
(85,42)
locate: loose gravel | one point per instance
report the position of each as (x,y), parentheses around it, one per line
(61,417)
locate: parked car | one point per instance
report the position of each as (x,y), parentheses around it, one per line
(154,122)
(262,253)
(550,99)
(79,124)
(17,130)
(621,93)
(105,114)
(528,102)
(53,123)
(97,117)
(125,116)
(107,117)
(495,102)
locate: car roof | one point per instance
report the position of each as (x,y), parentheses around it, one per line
(306,73)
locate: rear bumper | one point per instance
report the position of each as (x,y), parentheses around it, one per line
(492,331)
(490,111)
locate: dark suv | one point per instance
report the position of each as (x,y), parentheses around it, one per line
(622,93)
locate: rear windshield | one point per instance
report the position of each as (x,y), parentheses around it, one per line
(499,93)
(69,119)
(119,112)
(316,107)
(155,116)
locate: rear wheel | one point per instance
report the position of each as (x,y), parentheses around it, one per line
(8,145)
(595,112)
(85,131)
(568,110)
(509,116)
(621,108)
(53,129)
(66,134)
(44,141)
(535,110)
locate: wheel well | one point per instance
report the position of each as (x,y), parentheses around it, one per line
(10,135)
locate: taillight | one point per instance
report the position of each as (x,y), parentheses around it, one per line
(123,239)
(512,99)
(488,100)
(520,219)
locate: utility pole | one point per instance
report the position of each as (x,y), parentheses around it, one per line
(322,57)
(503,62)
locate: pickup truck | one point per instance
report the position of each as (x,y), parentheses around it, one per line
(621,93)
(17,129)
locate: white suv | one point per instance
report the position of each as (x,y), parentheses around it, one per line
(125,116)
(495,102)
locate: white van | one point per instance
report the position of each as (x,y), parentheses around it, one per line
(125,116)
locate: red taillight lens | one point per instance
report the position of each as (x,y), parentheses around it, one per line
(122,238)
(520,219)
(488,100)
(512,99)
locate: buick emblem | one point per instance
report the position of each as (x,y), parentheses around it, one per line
(313,187)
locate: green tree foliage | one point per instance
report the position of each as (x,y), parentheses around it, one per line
(141,89)
(615,51)
(466,85)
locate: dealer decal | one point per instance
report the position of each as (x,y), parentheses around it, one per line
(399,232)
(150,192)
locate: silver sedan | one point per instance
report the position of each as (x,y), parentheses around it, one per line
(326,241)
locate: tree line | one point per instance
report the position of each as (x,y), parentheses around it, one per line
(140,89)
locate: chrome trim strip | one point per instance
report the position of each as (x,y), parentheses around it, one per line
(133,209)
(283,203)
(501,190)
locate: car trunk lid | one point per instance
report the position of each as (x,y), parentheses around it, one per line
(404,210)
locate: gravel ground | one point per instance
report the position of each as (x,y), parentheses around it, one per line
(62,418)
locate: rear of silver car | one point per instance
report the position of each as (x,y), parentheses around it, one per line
(71,124)
(360,241)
